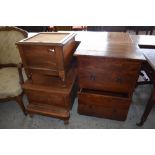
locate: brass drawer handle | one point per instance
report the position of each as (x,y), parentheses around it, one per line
(52,50)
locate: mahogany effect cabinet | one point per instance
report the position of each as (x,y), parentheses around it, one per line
(48,53)
(108,69)
(49,64)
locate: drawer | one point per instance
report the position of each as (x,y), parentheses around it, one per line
(116,75)
(40,97)
(103,104)
(52,94)
(54,81)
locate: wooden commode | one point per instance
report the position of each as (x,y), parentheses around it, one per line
(108,69)
(52,77)
(48,54)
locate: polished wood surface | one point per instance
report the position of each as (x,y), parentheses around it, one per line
(108,62)
(47,57)
(101,47)
(108,44)
(53,99)
(101,73)
(103,104)
(49,64)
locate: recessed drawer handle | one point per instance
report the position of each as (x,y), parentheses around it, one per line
(51,50)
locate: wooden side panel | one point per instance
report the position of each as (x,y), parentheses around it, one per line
(68,51)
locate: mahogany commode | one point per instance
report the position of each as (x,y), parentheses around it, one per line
(50,68)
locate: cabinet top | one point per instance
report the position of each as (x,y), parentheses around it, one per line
(51,38)
(108,44)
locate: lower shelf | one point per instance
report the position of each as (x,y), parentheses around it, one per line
(48,110)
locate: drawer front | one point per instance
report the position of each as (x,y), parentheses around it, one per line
(108,74)
(97,111)
(105,106)
(40,97)
(39,56)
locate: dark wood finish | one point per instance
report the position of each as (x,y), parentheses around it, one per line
(48,61)
(19,98)
(116,75)
(109,63)
(53,99)
(48,54)
(103,104)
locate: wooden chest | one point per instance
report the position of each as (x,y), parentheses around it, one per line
(52,100)
(108,69)
(48,53)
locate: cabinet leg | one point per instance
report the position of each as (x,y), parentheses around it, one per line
(19,100)
(148,109)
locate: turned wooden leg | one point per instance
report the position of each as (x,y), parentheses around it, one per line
(148,108)
(19,100)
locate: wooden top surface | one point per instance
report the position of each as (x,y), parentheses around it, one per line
(145,40)
(108,44)
(150,56)
(48,38)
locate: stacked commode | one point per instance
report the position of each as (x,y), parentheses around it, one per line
(50,67)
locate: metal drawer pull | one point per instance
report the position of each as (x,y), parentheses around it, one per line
(51,50)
